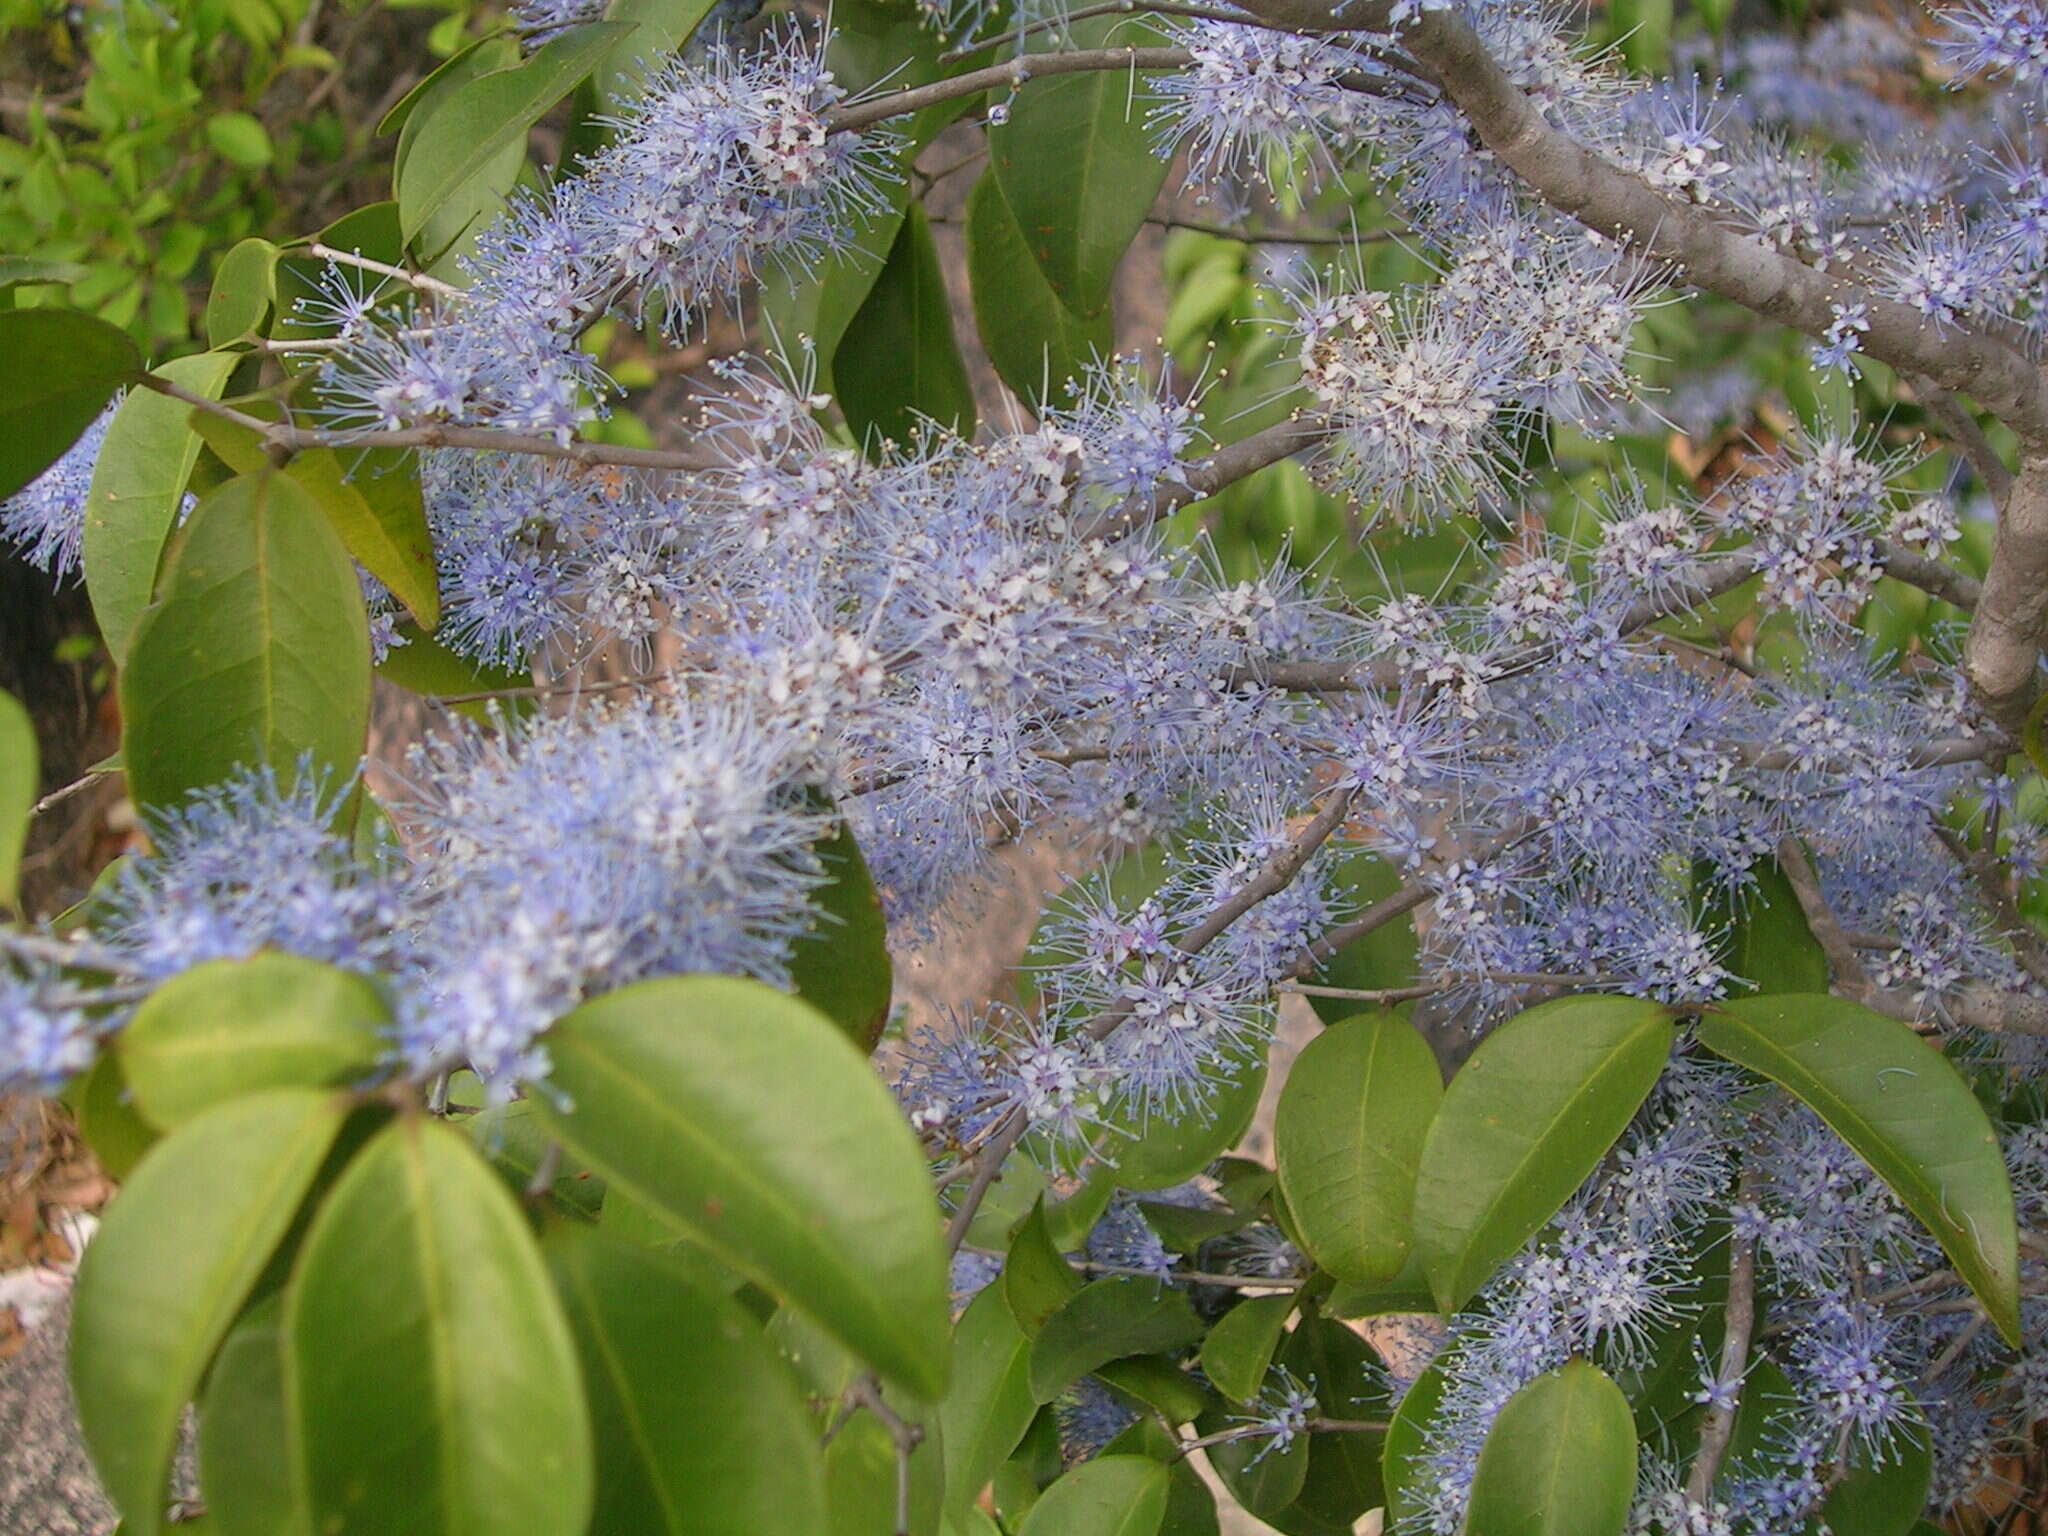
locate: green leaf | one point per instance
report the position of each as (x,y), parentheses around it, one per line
(232,1027)
(454,139)
(246,1459)
(860,1476)
(840,965)
(377,510)
(1347,1137)
(1907,1112)
(107,1119)
(1769,943)
(815,306)
(1343,1480)
(1521,1126)
(990,1405)
(903,336)
(1241,1345)
(660,28)
(1159,1384)
(665,1360)
(1076,165)
(749,1119)
(175,1257)
(424,666)
(1036,1280)
(1886,1499)
(514,1144)
(1036,343)
(459,66)
(1160,1151)
(1383,958)
(370,231)
(1109,1496)
(433,1379)
(138,487)
(20,777)
(257,652)
(1261,1474)
(24,271)
(1406,1292)
(1108,1319)
(239,139)
(1560,1460)
(1408,1436)
(244,287)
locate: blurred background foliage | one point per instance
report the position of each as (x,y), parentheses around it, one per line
(143,138)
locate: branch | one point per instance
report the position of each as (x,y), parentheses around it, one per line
(1973,1005)
(1930,576)
(2002,655)
(2027,945)
(1964,433)
(1711,256)
(1739,1319)
(294,439)
(1030,66)
(867,1393)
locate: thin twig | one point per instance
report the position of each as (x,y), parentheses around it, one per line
(1738,1320)
(867,1393)
(417,280)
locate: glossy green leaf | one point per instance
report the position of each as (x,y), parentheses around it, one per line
(903,335)
(1769,942)
(424,666)
(1109,1496)
(1347,1138)
(1521,1126)
(257,651)
(244,288)
(449,140)
(108,1119)
(748,1118)
(247,1464)
(62,369)
(1885,1498)
(805,312)
(990,1404)
(377,510)
(1036,1280)
(231,1027)
(1036,343)
(1406,1292)
(1401,1468)
(1108,1319)
(840,965)
(463,64)
(1380,959)
(1560,1460)
(1159,1384)
(513,1142)
(860,1476)
(174,1259)
(1160,1151)
(434,1383)
(1240,1346)
(1907,1112)
(370,231)
(665,1360)
(138,488)
(1077,167)
(20,778)
(1261,1474)
(1343,1479)
(660,28)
